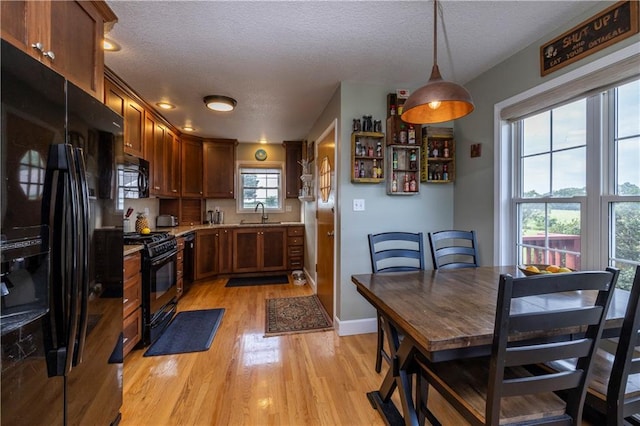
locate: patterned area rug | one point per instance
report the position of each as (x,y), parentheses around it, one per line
(290,315)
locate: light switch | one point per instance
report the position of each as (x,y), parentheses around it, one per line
(358,205)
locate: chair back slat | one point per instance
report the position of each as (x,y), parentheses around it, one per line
(547,352)
(545,320)
(509,354)
(453,249)
(548,383)
(396,251)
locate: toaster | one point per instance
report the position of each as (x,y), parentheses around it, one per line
(166,220)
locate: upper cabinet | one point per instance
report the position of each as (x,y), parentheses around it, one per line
(65,35)
(219,168)
(191,167)
(134,117)
(293,156)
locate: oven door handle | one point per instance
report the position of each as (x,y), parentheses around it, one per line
(160,260)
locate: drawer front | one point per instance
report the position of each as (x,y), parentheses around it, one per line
(180,242)
(296,251)
(297,231)
(132,295)
(295,241)
(131,331)
(132,265)
(179,286)
(296,263)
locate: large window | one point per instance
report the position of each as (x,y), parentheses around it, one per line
(576,192)
(260,183)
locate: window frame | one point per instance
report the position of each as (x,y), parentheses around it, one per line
(267,165)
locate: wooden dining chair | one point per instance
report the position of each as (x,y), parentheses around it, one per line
(501,389)
(614,388)
(453,249)
(393,252)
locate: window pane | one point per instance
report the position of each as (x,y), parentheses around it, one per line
(569,172)
(628,109)
(536,176)
(550,234)
(569,125)
(628,167)
(624,247)
(536,131)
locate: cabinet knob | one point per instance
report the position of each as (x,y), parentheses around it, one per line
(157,188)
(49,54)
(124,302)
(174,190)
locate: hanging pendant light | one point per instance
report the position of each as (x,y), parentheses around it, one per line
(438,100)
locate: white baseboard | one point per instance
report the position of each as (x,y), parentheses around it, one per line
(362,326)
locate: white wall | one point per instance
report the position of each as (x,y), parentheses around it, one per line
(474,198)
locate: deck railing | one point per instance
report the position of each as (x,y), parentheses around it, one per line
(558,249)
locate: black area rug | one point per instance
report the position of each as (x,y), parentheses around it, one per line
(249,281)
(189,331)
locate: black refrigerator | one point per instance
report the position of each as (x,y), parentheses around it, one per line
(61,320)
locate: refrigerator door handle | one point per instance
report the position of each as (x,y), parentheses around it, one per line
(83,253)
(59,208)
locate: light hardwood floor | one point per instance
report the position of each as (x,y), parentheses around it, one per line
(247,379)
(303,379)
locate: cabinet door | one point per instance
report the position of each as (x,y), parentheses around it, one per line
(114,98)
(219,167)
(191,168)
(225,251)
(273,249)
(246,248)
(206,253)
(172,162)
(156,160)
(293,154)
(133,128)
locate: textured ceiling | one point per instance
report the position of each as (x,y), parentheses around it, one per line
(283,61)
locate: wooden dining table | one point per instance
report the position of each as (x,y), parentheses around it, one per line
(449,314)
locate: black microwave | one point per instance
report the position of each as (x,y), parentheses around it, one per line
(134,177)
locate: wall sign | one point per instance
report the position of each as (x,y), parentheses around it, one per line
(613,24)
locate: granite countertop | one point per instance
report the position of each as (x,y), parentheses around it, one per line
(131,249)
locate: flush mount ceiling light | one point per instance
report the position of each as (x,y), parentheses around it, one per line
(188,129)
(110,45)
(438,100)
(220,103)
(165,105)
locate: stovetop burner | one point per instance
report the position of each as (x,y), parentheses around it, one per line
(155,243)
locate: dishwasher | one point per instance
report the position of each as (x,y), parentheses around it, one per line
(189,258)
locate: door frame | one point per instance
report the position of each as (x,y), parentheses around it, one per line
(332,127)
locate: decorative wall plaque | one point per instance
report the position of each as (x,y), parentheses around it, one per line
(613,24)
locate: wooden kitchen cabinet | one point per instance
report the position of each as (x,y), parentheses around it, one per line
(131,310)
(207,246)
(225,251)
(64,35)
(191,168)
(164,175)
(259,249)
(293,156)
(134,118)
(295,247)
(172,150)
(219,168)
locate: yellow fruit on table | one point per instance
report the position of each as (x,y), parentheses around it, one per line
(544,271)
(145,231)
(564,269)
(552,268)
(532,268)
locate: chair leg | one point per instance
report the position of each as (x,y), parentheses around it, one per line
(422,399)
(380,346)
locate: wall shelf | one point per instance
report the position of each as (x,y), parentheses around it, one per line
(367,157)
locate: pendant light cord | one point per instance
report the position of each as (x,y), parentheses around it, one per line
(435,32)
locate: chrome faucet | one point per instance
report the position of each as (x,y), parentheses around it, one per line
(264,217)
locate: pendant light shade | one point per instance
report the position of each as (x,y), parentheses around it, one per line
(220,103)
(438,100)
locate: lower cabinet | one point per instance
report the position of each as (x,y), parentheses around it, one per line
(295,247)
(213,252)
(131,310)
(259,249)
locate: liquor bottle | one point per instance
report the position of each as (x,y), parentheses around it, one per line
(412,134)
(403,134)
(406,184)
(395,160)
(379,149)
(394,184)
(435,150)
(370,151)
(393,110)
(358,148)
(445,174)
(374,169)
(356,170)
(361,169)
(445,150)
(413,184)
(413,164)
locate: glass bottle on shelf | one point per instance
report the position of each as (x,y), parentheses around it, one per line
(395,160)
(405,186)
(413,184)
(356,170)
(374,169)
(445,174)
(435,151)
(358,148)
(370,151)
(379,149)
(445,150)
(403,134)
(413,163)
(361,169)
(394,184)
(412,134)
